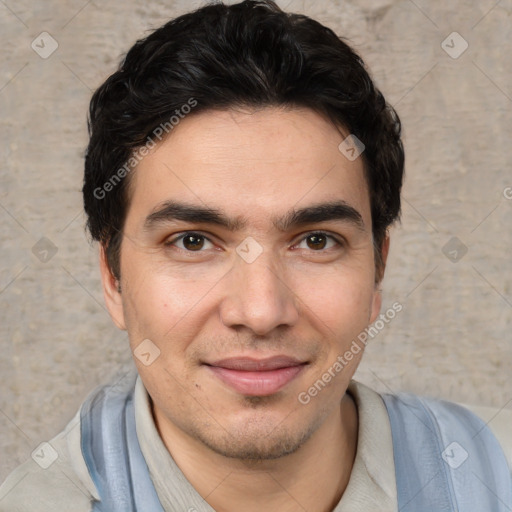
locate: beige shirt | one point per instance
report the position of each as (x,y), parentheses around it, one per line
(66,483)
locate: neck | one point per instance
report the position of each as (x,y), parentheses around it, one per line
(312,478)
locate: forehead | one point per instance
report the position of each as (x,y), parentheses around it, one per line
(250,161)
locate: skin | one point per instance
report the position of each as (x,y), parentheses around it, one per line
(303,297)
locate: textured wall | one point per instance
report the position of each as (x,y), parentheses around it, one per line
(452,338)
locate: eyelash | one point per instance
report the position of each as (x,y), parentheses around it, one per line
(170,243)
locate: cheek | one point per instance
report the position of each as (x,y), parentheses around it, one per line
(341,299)
(339,309)
(348,315)
(158,300)
(154,307)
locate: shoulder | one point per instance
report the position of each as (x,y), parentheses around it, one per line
(500,423)
(458,417)
(497,422)
(52,479)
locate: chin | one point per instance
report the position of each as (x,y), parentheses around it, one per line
(256,448)
(255,439)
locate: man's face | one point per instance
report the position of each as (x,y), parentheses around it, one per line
(248,313)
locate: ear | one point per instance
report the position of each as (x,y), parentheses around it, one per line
(111,291)
(380,268)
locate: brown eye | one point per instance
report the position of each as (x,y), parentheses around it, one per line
(316,241)
(193,242)
(319,241)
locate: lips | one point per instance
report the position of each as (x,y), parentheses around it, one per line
(257,377)
(257,365)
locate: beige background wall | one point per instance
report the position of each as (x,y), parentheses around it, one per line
(453,337)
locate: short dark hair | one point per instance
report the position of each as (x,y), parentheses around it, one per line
(251,54)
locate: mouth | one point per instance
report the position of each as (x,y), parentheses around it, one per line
(257,377)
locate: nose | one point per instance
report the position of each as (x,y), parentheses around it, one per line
(258,297)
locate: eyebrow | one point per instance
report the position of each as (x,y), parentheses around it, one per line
(169,211)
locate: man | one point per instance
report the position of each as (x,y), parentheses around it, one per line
(241,177)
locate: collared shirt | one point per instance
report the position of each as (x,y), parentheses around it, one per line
(66,481)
